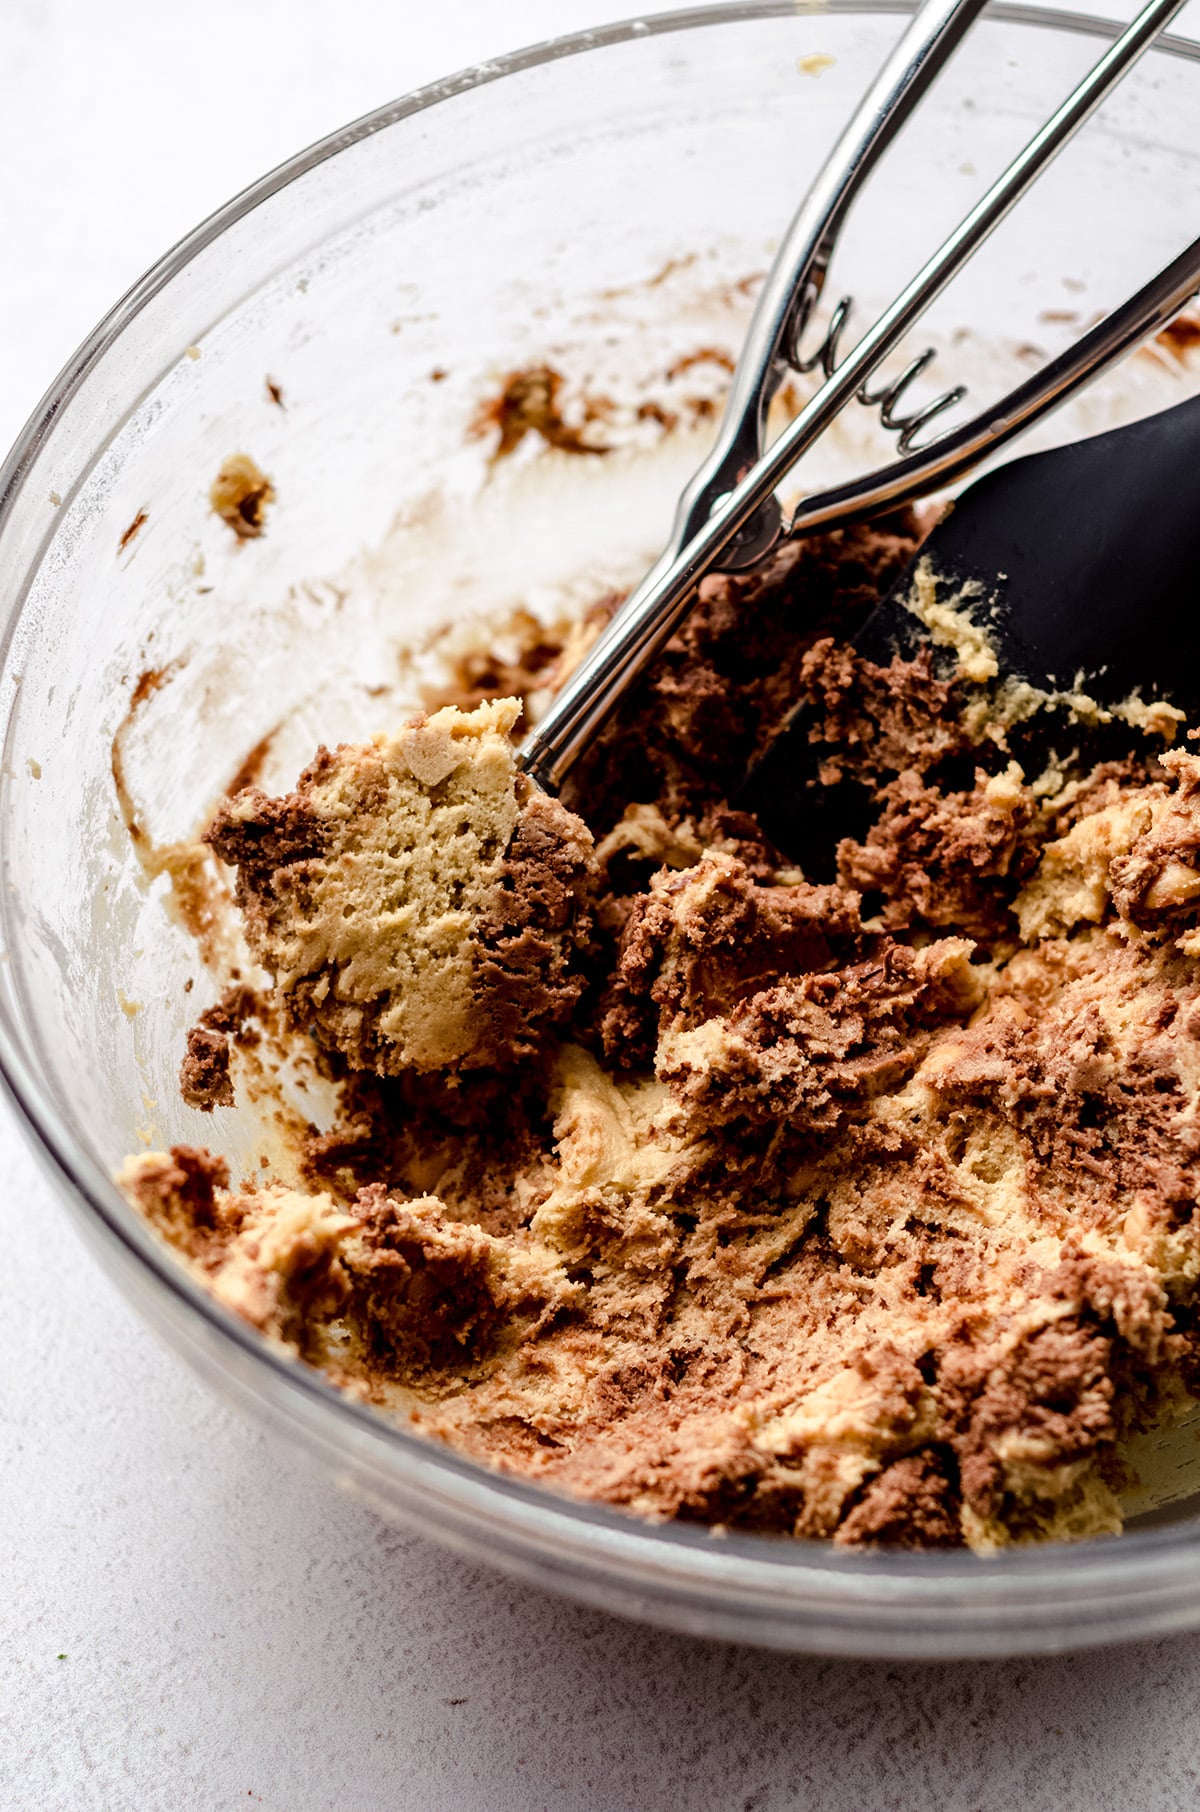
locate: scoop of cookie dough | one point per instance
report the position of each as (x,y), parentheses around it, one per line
(418,904)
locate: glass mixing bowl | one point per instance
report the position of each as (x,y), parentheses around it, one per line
(600,205)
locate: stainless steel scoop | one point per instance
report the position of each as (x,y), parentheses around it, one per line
(729,516)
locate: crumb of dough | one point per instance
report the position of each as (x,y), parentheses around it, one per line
(240,493)
(206,1073)
(204,1078)
(951,625)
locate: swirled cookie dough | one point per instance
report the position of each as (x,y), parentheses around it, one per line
(854,1203)
(414,899)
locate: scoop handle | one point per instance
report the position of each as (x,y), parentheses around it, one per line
(793,284)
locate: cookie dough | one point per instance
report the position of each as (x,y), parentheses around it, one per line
(414,899)
(856,1203)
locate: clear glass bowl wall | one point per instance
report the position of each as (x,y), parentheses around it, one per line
(514,215)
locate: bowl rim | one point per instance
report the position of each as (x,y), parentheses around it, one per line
(782,1591)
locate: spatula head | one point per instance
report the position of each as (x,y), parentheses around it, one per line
(1085,561)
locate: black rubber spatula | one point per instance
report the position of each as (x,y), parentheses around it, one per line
(1087,560)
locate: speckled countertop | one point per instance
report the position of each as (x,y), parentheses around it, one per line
(188,1619)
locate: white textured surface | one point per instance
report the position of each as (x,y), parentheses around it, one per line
(233,1633)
